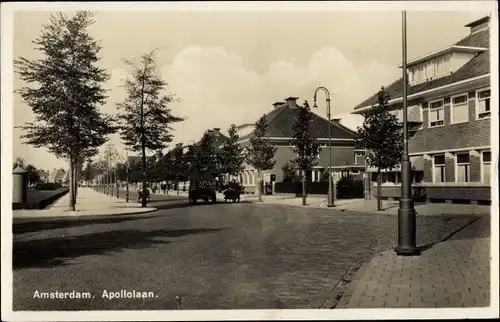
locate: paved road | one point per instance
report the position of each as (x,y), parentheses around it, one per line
(238,256)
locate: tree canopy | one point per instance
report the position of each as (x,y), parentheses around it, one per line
(64,89)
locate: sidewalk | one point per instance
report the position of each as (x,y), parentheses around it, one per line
(389,207)
(454,273)
(88,203)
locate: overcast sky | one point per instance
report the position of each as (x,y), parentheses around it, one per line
(229,67)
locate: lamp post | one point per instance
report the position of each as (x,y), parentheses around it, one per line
(331,197)
(406,213)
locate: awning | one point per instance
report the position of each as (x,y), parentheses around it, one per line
(413,114)
(417,164)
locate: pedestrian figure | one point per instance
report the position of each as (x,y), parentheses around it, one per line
(164,188)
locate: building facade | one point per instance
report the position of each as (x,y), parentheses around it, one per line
(449,120)
(280,121)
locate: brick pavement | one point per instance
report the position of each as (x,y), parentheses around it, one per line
(389,207)
(454,273)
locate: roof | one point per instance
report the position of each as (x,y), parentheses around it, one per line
(442,51)
(478,22)
(57,174)
(281,119)
(477,66)
(217,136)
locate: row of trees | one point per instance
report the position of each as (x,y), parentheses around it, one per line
(65,90)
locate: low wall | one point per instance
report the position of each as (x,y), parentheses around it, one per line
(40,199)
(345,189)
(438,193)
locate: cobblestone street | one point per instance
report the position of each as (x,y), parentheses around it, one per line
(237,256)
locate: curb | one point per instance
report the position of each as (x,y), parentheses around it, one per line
(72,215)
(343,292)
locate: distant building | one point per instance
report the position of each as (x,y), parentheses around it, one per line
(280,121)
(449,114)
(44,175)
(57,176)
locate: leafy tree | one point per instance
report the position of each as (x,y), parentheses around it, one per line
(260,152)
(178,169)
(145,118)
(65,91)
(89,171)
(305,146)
(205,165)
(381,135)
(289,172)
(111,158)
(231,155)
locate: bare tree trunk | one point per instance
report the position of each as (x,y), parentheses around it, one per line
(259,184)
(71,186)
(304,201)
(178,187)
(144,200)
(379,190)
(75,182)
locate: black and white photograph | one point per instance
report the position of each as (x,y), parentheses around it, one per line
(249,160)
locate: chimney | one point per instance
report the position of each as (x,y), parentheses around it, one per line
(278,104)
(335,121)
(291,101)
(479,25)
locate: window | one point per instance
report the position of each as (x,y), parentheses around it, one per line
(483,104)
(459,109)
(486,166)
(358,155)
(439,66)
(462,167)
(429,70)
(438,169)
(436,113)
(417,176)
(420,73)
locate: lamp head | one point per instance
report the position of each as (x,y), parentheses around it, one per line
(315,105)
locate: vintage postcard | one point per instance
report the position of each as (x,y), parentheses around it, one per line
(249,160)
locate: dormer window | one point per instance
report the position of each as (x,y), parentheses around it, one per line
(440,63)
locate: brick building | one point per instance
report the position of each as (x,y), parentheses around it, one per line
(449,114)
(280,120)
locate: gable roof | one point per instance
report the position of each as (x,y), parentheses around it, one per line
(477,66)
(217,137)
(280,121)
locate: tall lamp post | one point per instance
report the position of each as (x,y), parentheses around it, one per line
(406,213)
(331,196)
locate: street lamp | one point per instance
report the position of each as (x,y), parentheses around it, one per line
(406,212)
(331,197)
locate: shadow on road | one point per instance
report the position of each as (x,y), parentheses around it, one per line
(199,204)
(46,253)
(29,225)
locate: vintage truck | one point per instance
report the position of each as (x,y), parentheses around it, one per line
(205,190)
